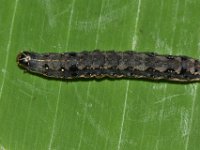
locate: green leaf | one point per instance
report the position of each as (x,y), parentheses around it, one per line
(37,113)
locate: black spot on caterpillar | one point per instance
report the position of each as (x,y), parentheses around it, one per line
(111,64)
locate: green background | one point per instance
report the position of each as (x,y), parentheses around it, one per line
(37,113)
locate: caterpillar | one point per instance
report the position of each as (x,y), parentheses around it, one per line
(111,64)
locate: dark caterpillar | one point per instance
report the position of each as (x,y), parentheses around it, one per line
(99,64)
